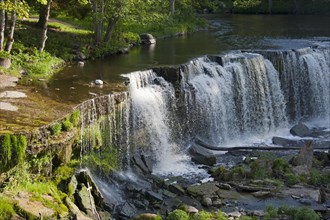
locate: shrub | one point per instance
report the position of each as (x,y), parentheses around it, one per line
(300,213)
(67,125)
(56,128)
(75,117)
(220,216)
(202,215)
(178,215)
(291,179)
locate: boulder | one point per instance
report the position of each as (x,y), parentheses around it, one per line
(152,196)
(205,189)
(176,188)
(300,130)
(147,39)
(224,186)
(127,211)
(201,155)
(84,200)
(191,210)
(75,210)
(207,201)
(5,62)
(80,56)
(262,194)
(98,82)
(84,178)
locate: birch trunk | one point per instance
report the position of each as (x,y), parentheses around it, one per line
(44,27)
(10,40)
(2,27)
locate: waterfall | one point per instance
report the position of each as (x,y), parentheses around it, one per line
(225,100)
(305,78)
(241,97)
(153,113)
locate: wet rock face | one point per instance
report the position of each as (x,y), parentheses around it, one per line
(201,155)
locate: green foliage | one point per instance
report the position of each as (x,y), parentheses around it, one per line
(271,212)
(41,164)
(291,179)
(260,169)
(280,167)
(131,38)
(67,125)
(220,216)
(21,148)
(6,151)
(4,54)
(75,118)
(39,189)
(298,213)
(202,215)
(246,3)
(56,128)
(108,160)
(6,208)
(62,173)
(37,65)
(178,215)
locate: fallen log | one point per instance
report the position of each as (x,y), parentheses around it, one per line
(266,148)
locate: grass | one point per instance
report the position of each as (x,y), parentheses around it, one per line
(6,208)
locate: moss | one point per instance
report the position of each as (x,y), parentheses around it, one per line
(56,128)
(21,148)
(62,173)
(6,152)
(178,215)
(6,208)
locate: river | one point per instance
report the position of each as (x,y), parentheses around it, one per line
(229,32)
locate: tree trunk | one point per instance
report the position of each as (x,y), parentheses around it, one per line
(2,27)
(270,6)
(172,6)
(10,39)
(44,27)
(111,25)
(42,15)
(98,11)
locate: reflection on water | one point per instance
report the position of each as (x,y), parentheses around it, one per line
(230,32)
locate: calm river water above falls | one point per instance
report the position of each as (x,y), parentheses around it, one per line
(231,32)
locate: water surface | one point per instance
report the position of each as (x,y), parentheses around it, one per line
(229,32)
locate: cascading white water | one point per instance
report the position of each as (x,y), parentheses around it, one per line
(305,78)
(152,109)
(239,98)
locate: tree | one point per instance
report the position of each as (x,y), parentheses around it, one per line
(44,26)
(108,13)
(14,8)
(10,38)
